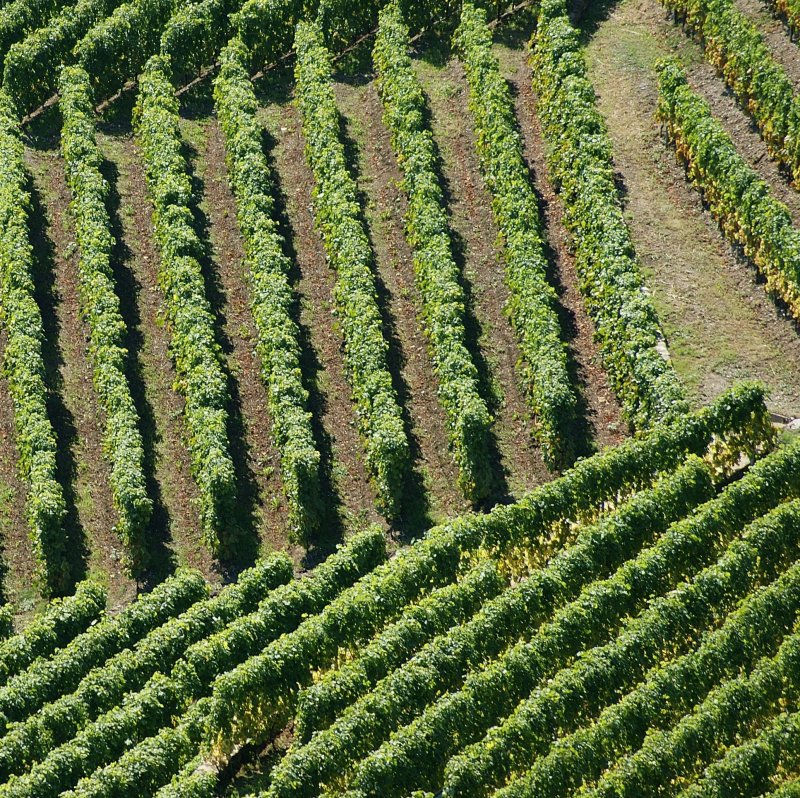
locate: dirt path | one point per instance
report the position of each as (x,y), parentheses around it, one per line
(600,408)
(720,325)
(258,462)
(81,422)
(741,129)
(351,496)
(17,568)
(776,35)
(475,238)
(176,520)
(385,205)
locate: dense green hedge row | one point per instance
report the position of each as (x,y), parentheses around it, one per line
(747,768)
(192,781)
(532,305)
(63,620)
(23,365)
(674,755)
(267,26)
(572,697)
(319,704)
(271,294)
(415,756)
(32,66)
(738,198)
(338,216)
(202,379)
(104,687)
(735,46)
(330,755)
(101,308)
(18,18)
(116,49)
(443,304)
(141,770)
(260,694)
(143,714)
(669,691)
(46,679)
(581,165)
(196,33)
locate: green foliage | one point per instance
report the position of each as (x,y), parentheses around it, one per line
(191,782)
(737,197)
(45,680)
(437,275)
(532,306)
(195,34)
(271,293)
(32,66)
(668,757)
(581,164)
(338,216)
(145,713)
(58,625)
(670,624)
(45,507)
(789,10)
(441,665)
(735,46)
(116,49)
(144,768)
(746,768)
(320,703)
(56,723)
(259,695)
(669,690)
(101,309)
(19,18)
(198,358)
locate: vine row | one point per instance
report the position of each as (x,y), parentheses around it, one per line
(101,308)
(532,305)
(438,278)
(271,293)
(338,218)
(201,376)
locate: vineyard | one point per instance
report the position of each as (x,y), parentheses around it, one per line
(399,399)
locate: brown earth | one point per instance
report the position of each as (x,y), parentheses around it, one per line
(600,407)
(351,496)
(385,206)
(720,325)
(176,520)
(79,422)
(258,462)
(475,237)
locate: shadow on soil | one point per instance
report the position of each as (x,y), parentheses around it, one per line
(60,416)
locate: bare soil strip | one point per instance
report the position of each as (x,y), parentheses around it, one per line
(176,521)
(258,460)
(720,325)
(81,424)
(17,568)
(385,207)
(776,35)
(475,237)
(351,496)
(601,410)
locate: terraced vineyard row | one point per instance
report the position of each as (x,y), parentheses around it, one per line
(373,284)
